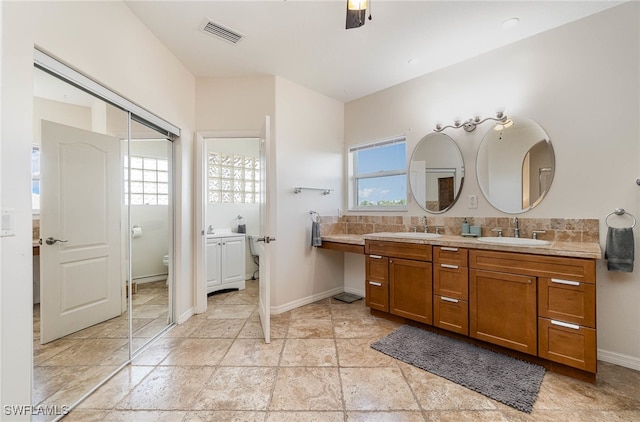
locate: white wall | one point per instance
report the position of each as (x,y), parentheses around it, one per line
(309,153)
(106,41)
(580,82)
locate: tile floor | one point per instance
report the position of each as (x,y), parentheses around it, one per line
(65,369)
(319,367)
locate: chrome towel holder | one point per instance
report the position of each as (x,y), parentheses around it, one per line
(315,217)
(619,211)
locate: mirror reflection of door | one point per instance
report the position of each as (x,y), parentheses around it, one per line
(440,188)
(445,192)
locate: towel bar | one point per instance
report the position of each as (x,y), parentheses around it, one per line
(619,211)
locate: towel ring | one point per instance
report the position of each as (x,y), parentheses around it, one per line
(619,211)
(314,216)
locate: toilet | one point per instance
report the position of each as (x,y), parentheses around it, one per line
(255,249)
(165,260)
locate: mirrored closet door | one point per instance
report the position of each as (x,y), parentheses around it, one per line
(103,238)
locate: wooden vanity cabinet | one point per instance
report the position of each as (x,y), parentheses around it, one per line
(377,282)
(559,303)
(451,289)
(399,279)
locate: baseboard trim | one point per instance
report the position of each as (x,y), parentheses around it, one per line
(627,361)
(186,315)
(275,310)
(355,291)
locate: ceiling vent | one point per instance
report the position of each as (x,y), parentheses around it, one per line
(221,32)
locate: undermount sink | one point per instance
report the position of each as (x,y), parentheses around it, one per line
(415,235)
(514,241)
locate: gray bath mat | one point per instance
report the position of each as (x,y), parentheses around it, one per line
(511,381)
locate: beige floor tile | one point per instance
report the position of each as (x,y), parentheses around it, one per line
(224,416)
(355,352)
(376,389)
(309,352)
(223,311)
(253,329)
(468,415)
(218,328)
(198,351)
(168,388)
(83,416)
(363,328)
(151,329)
(563,393)
(310,328)
(237,388)
(253,352)
(42,352)
(328,416)
(145,416)
(116,389)
(312,311)
(351,310)
(385,417)
(87,352)
(186,328)
(305,388)
(158,351)
(436,393)
(83,379)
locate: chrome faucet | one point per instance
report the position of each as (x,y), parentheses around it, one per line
(516,230)
(426,228)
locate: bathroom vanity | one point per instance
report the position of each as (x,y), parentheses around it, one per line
(225,253)
(537,301)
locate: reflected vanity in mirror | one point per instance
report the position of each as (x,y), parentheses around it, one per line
(515,165)
(436,173)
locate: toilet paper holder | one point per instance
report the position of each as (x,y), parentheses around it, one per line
(136,231)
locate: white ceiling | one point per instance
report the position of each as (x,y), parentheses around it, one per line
(306,41)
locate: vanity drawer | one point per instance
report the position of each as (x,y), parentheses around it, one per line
(451,314)
(451,281)
(451,255)
(377,295)
(377,269)
(415,251)
(569,344)
(567,300)
(578,269)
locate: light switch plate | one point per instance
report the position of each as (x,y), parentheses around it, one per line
(473,201)
(7,222)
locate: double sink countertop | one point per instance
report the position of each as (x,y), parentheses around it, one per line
(590,250)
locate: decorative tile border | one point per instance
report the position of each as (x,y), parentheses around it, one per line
(555,229)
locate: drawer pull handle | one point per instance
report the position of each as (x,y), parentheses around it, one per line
(565,324)
(448,299)
(373,283)
(444,248)
(375,256)
(453,267)
(567,282)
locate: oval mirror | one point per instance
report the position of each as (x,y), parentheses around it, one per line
(515,165)
(436,173)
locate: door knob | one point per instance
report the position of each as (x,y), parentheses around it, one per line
(266,239)
(52,241)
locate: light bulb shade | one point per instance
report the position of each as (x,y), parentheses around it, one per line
(356,4)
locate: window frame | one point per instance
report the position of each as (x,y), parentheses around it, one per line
(354,178)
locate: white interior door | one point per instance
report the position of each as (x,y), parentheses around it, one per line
(265,231)
(80,215)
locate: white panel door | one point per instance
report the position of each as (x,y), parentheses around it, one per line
(265,231)
(80,229)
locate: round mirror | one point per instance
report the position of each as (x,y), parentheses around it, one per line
(436,173)
(515,165)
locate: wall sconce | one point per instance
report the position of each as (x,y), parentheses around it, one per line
(470,125)
(356,4)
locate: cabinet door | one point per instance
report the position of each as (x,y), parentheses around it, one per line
(451,314)
(567,300)
(377,269)
(410,289)
(451,281)
(502,309)
(233,259)
(377,295)
(213,263)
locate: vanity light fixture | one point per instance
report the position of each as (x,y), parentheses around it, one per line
(503,124)
(470,125)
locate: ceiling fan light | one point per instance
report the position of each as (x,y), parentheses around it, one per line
(357,4)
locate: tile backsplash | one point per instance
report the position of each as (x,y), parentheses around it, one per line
(555,229)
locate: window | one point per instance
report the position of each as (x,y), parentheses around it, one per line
(233,179)
(149,180)
(379,175)
(35,179)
